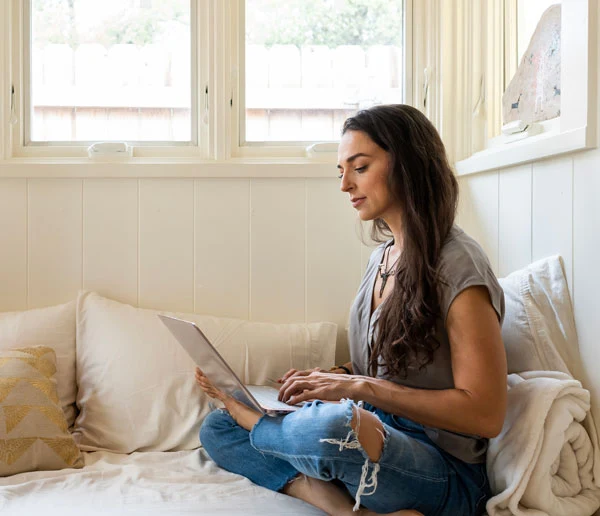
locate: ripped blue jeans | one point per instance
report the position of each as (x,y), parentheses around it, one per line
(317,441)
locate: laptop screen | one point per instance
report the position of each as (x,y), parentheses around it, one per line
(204,354)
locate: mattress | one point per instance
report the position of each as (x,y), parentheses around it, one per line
(143,483)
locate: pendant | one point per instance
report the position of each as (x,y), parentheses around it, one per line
(384,277)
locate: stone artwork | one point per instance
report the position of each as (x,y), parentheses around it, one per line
(533,94)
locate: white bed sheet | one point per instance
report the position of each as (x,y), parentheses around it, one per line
(142,483)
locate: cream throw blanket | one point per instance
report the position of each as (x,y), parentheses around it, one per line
(542,461)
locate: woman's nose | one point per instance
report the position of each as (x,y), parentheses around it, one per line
(345,184)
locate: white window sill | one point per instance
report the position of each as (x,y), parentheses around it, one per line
(167,168)
(551,142)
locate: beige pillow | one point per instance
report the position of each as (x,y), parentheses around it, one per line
(53,327)
(136,383)
(33,430)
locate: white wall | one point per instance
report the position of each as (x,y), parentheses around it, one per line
(278,250)
(282,250)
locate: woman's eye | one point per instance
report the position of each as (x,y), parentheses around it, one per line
(340,176)
(360,169)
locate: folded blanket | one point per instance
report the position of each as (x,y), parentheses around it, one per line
(542,461)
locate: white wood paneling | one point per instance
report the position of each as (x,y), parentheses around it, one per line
(478,212)
(222,243)
(333,257)
(514,221)
(166,243)
(54,241)
(277,250)
(586,278)
(13,244)
(110,238)
(552,208)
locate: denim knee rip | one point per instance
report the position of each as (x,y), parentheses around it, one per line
(351,442)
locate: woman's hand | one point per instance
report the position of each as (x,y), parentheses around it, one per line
(318,385)
(305,372)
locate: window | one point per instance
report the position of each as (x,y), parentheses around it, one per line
(309,64)
(202,80)
(111,70)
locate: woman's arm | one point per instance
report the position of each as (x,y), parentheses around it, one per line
(476,405)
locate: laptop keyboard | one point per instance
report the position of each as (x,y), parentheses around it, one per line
(267,398)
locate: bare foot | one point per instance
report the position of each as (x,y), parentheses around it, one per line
(243,415)
(330,498)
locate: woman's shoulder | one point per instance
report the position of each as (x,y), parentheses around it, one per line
(464,263)
(461,251)
(377,252)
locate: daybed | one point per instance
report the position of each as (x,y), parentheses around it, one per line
(100,412)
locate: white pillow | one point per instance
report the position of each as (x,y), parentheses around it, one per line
(136,383)
(53,327)
(539,326)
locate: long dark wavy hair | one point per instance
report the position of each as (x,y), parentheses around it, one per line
(423,184)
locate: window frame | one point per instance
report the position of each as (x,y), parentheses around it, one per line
(6,97)
(241,149)
(575,129)
(19,34)
(216,56)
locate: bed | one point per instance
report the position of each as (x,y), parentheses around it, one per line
(122,427)
(144,484)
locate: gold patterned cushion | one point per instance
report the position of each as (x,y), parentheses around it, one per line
(33,430)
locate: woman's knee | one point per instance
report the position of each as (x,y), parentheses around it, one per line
(369,432)
(353,425)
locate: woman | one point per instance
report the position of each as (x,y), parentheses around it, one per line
(426,386)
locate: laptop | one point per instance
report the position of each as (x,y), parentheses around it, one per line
(258,397)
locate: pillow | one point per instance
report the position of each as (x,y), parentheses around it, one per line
(33,430)
(53,327)
(539,326)
(539,331)
(136,383)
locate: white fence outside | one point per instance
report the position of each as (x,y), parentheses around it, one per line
(130,92)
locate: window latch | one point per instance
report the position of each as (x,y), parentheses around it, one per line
(110,151)
(205,117)
(13,107)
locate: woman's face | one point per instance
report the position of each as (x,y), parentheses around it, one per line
(364,168)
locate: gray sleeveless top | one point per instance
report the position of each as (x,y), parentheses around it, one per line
(462,264)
